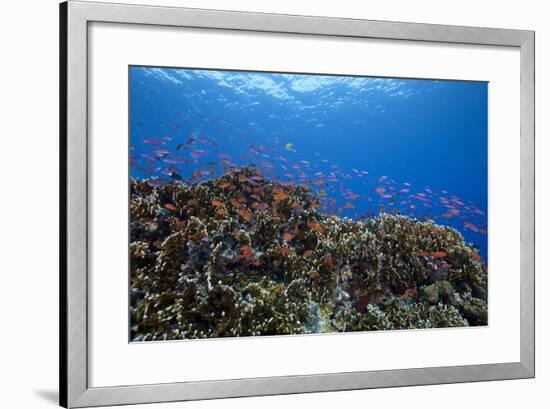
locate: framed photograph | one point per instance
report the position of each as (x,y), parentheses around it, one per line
(258,204)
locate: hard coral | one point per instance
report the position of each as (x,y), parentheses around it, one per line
(240,255)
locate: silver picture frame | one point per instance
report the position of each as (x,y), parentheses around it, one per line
(75,16)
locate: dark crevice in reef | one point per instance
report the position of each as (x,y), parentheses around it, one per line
(240,255)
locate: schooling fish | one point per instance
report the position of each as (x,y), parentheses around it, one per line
(161,153)
(471,226)
(158,182)
(175,175)
(153,141)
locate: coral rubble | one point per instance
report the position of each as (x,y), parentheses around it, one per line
(241,255)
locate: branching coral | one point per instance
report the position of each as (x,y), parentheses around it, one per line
(241,255)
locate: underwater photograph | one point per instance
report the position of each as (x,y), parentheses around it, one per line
(266,203)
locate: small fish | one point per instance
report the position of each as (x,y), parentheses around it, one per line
(285,251)
(217,203)
(308,253)
(170,206)
(288,147)
(153,141)
(471,227)
(475,255)
(287,236)
(247,252)
(409,293)
(439,254)
(158,182)
(327,260)
(280,196)
(245,214)
(316,227)
(199,173)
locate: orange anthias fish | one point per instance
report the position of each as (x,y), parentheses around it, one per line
(409,292)
(280,196)
(471,226)
(247,252)
(327,259)
(245,214)
(217,203)
(439,254)
(235,202)
(316,227)
(225,185)
(170,206)
(287,236)
(284,251)
(475,256)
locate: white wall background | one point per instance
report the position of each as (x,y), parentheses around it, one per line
(29,202)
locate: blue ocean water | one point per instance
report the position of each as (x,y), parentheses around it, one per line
(367,145)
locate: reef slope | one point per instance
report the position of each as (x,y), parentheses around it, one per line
(242,255)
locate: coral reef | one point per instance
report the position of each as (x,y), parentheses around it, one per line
(242,255)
